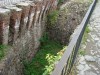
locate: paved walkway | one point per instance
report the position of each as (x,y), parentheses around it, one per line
(89,64)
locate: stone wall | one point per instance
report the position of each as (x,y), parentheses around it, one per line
(21,27)
(70,16)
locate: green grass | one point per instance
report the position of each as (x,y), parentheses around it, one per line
(60,1)
(2,51)
(52,17)
(81,52)
(85,36)
(44,61)
(84,40)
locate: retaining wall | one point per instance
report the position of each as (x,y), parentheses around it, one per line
(21,27)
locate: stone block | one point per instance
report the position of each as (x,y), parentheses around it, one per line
(4,25)
(37,23)
(32,24)
(24,17)
(14,23)
(31,16)
(38,11)
(54,4)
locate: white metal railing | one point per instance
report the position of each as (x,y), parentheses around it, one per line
(9,2)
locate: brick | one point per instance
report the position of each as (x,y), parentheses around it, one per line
(38,10)
(14,23)
(31,16)
(47,6)
(36,24)
(24,17)
(54,5)
(4,25)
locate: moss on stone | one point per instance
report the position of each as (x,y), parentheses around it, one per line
(52,17)
(2,51)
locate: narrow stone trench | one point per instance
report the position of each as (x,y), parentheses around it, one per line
(31,26)
(89,63)
(66,24)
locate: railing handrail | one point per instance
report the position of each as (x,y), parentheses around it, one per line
(59,67)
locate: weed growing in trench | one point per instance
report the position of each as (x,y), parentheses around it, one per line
(2,51)
(44,61)
(52,17)
(81,52)
(60,1)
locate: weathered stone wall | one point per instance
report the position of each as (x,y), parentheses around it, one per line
(21,27)
(70,16)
